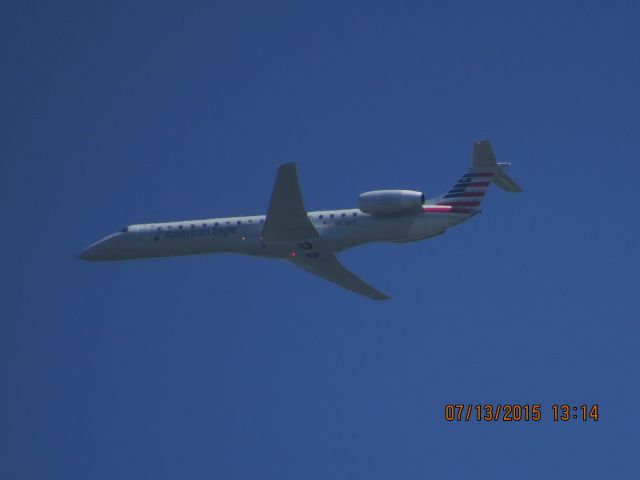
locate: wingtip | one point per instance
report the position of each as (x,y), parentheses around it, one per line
(380,297)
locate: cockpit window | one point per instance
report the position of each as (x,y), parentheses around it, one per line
(125,230)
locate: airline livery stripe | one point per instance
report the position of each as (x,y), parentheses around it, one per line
(471,184)
(453,203)
(437,208)
(465,194)
(472,175)
(446,209)
(461,210)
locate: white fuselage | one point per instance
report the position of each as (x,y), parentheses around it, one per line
(338,230)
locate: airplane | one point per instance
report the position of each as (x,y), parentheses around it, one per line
(310,240)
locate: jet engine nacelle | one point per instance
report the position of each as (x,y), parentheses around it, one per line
(388,202)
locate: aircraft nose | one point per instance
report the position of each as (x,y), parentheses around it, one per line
(85,254)
(101,250)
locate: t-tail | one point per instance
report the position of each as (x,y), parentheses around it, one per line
(467,194)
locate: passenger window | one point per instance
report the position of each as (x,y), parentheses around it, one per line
(331,216)
(343,215)
(215,224)
(355,214)
(321,216)
(239,222)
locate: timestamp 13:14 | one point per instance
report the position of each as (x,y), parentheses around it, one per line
(565,412)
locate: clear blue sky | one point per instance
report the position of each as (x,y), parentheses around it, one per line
(229,367)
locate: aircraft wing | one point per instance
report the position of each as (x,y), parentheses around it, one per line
(287,219)
(329,268)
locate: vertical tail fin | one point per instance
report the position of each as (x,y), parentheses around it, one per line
(467,194)
(483,160)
